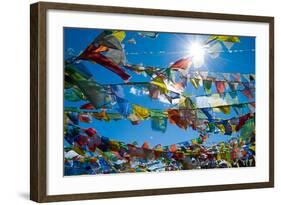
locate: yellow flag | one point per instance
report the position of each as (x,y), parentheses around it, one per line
(221,128)
(194,141)
(253,148)
(141,112)
(233,127)
(78,150)
(158,81)
(225,109)
(218,156)
(120,35)
(232,39)
(195,82)
(101,116)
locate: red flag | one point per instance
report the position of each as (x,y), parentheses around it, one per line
(87,106)
(183,63)
(173,148)
(145,145)
(91,54)
(220,85)
(248,93)
(85,118)
(242,121)
(90,132)
(176,118)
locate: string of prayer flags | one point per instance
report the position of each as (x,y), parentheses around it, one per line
(210,101)
(182,66)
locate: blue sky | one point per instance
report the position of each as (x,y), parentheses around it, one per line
(240,60)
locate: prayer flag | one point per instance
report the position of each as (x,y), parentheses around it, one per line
(183,63)
(141,112)
(207,86)
(105,62)
(158,120)
(220,85)
(195,82)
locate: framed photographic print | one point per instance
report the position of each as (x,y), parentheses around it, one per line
(134,102)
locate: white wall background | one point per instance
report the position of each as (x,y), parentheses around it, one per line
(14,86)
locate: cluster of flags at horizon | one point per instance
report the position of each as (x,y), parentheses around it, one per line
(89,141)
(187,111)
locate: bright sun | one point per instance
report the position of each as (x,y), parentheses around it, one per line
(197,52)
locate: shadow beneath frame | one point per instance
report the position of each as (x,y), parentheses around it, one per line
(24,195)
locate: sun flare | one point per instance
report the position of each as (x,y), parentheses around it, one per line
(197,52)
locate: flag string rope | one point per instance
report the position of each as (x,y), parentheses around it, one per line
(161,110)
(207,95)
(186,52)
